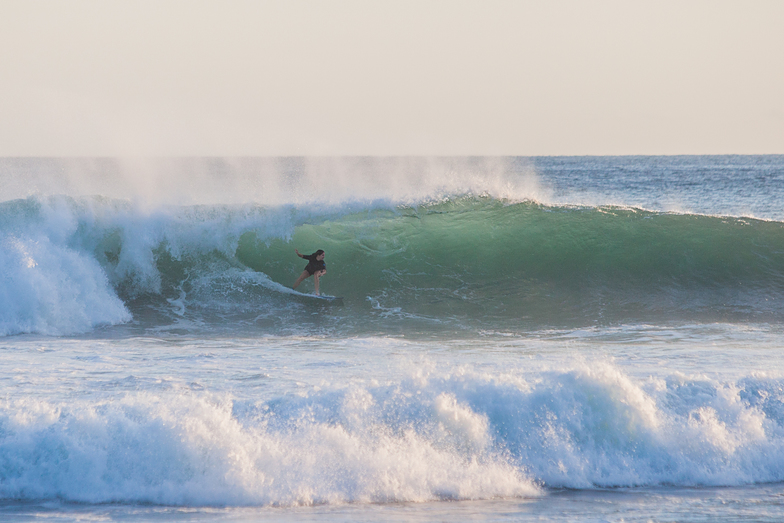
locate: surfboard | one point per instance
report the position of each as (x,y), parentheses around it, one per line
(334,300)
(325,300)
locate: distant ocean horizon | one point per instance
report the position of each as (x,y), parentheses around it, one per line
(520,338)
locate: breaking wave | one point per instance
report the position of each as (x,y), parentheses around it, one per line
(71,264)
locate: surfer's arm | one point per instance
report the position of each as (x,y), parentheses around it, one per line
(298,254)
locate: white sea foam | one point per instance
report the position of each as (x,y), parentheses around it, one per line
(50,288)
(192,450)
(437,434)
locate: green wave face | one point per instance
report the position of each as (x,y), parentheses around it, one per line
(483,262)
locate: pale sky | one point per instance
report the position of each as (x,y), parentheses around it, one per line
(328,77)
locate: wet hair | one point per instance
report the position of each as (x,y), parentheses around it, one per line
(318,252)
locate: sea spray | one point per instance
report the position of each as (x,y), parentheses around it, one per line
(271,182)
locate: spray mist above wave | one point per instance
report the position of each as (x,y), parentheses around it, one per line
(272,182)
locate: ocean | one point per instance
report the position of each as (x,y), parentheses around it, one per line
(519,339)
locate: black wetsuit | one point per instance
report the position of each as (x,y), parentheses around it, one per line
(314,265)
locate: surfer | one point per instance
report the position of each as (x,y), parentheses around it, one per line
(315,267)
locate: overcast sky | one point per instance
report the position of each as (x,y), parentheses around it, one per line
(327,77)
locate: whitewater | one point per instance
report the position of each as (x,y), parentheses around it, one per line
(566,338)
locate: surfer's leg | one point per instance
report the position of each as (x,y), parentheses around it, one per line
(301,277)
(316,277)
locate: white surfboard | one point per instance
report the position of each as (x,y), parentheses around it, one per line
(336,300)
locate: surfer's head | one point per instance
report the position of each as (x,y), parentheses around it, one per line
(319,254)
